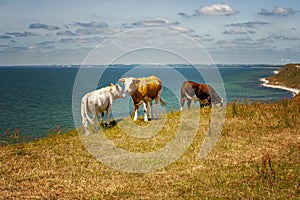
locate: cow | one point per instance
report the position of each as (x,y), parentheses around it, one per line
(97,102)
(143,91)
(204,93)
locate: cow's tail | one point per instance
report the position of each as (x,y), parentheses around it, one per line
(162,102)
(84,109)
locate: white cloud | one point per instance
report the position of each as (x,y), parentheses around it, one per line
(82,40)
(277,11)
(66,33)
(242,44)
(182,14)
(22,34)
(248,24)
(203,38)
(92,24)
(283,37)
(217,10)
(43,26)
(154,22)
(97,31)
(181,29)
(88,28)
(238,31)
(5,37)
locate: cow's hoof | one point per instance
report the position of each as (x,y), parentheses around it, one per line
(96,130)
(107,125)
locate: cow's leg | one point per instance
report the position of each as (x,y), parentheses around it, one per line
(189,103)
(155,115)
(145,112)
(151,110)
(101,117)
(135,112)
(85,125)
(155,110)
(182,100)
(202,103)
(84,115)
(108,115)
(95,122)
(209,101)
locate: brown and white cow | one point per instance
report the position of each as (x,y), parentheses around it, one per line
(97,102)
(143,91)
(205,94)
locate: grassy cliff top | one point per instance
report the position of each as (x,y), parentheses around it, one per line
(256,157)
(288,75)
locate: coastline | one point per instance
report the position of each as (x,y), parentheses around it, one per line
(265,83)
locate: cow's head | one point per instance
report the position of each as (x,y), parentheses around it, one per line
(218,103)
(130,84)
(117,91)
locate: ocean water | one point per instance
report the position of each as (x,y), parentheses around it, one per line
(38,99)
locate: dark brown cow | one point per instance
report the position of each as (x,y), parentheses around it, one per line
(205,94)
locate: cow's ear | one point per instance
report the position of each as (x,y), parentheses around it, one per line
(111,86)
(122,80)
(137,81)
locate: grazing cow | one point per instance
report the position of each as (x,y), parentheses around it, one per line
(205,94)
(97,102)
(143,91)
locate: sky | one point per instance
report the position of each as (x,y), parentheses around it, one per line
(40,32)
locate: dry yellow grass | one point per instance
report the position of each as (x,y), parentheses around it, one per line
(256,157)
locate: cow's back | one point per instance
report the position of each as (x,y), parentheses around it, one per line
(98,100)
(202,91)
(191,88)
(150,86)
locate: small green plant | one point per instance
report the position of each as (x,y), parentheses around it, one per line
(234,108)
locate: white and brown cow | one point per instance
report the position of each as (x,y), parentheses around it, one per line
(205,94)
(143,91)
(97,102)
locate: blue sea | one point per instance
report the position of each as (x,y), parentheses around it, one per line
(38,99)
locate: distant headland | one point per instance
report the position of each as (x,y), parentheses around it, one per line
(286,78)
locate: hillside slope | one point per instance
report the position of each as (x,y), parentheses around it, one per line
(257,157)
(288,75)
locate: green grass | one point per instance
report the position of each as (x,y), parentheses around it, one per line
(256,157)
